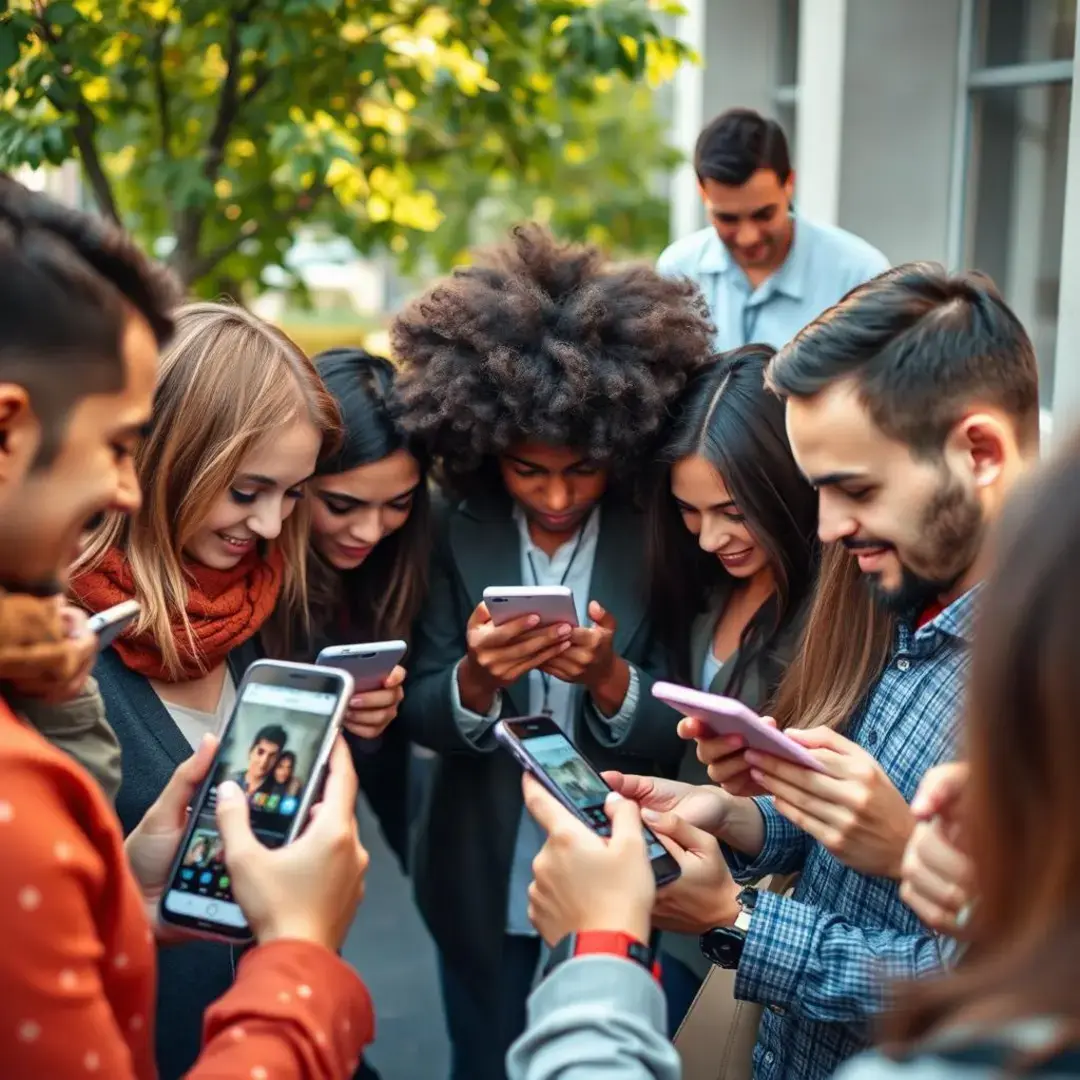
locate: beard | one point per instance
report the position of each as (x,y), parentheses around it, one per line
(951,536)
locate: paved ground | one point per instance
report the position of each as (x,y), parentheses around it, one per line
(389,946)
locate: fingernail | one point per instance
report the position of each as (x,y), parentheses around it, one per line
(534,620)
(650,815)
(752,757)
(229,791)
(614,796)
(564,631)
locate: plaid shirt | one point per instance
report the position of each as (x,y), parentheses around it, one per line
(819,960)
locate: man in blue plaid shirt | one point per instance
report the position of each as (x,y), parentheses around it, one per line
(912,406)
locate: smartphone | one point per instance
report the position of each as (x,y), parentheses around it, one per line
(553,603)
(542,749)
(726,716)
(275,745)
(369,665)
(112,622)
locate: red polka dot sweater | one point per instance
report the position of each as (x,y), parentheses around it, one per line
(77,975)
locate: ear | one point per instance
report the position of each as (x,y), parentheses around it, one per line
(20,433)
(985,443)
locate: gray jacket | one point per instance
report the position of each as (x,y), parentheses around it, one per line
(595,1018)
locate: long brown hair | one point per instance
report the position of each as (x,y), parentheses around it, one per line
(843,649)
(227,381)
(1023,743)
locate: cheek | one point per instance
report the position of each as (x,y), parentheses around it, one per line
(223,515)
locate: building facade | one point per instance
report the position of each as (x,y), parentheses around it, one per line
(936,129)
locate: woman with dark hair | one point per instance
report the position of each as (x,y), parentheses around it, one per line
(367,567)
(732,556)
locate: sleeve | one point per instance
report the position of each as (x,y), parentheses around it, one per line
(438,647)
(595,1016)
(817,966)
(645,727)
(783,852)
(54,1011)
(79,727)
(472,725)
(296,1010)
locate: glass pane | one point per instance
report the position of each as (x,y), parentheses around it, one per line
(788,61)
(1016,204)
(1024,31)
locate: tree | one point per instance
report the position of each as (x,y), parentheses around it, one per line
(212,129)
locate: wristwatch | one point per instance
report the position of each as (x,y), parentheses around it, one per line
(603,943)
(723,945)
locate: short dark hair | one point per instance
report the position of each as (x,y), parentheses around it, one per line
(543,341)
(739,142)
(922,345)
(271,733)
(67,282)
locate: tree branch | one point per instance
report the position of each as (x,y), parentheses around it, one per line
(161,92)
(85,128)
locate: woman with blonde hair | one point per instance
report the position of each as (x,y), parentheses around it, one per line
(240,420)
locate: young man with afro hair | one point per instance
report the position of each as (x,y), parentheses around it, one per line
(538,378)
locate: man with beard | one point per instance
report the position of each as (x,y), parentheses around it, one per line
(913,407)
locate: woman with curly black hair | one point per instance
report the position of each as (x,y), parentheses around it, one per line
(538,378)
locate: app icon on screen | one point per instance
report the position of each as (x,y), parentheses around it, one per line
(223,881)
(259,799)
(272,802)
(288,805)
(187,875)
(205,877)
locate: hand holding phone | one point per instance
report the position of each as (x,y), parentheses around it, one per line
(309,890)
(584,881)
(499,655)
(109,624)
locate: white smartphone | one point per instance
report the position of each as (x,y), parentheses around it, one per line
(369,665)
(112,622)
(553,603)
(275,746)
(726,716)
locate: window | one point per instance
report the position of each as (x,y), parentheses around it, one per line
(1016,127)
(786,93)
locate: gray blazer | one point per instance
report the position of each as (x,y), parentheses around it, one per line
(755,691)
(465,848)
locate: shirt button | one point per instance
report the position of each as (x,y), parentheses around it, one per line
(778,1010)
(903,665)
(872,738)
(769,1057)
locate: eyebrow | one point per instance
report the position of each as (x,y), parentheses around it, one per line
(727,505)
(834,478)
(747,213)
(267,481)
(543,468)
(340,495)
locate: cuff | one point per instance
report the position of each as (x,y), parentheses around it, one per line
(614,728)
(777,948)
(775,851)
(600,982)
(472,726)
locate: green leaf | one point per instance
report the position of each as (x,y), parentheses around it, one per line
(62,13)
(9,48)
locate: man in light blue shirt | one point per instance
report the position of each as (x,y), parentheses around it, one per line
(765,271)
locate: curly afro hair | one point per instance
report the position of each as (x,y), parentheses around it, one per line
(546,342)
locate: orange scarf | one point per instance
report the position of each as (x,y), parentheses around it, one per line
(224,607)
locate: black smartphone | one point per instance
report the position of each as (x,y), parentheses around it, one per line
(540,747)
(275,746)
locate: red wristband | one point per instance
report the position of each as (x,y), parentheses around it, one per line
(615,943)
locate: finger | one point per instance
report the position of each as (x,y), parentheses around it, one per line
(515,671)
(586,637)
(821,738)
(778,771)
(712,749)
(670,825)
(395,678)
(534,644)
(371,700)
(186,778)
(233,820)
(930,849)
(498,636)
(940,789)
(934,916)
(625,818)
(827,812)
(637,788)
(479,617)
(545,809)
(371,727)
(602,618)
(74,621)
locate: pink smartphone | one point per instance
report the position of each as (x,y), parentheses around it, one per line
(726,716)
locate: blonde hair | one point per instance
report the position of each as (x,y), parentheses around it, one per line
(227,381)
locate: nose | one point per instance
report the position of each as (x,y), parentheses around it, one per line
(267,519)
(127,496)
(834,522)
(748,235)
(558,496)
(713,536)
(367,527)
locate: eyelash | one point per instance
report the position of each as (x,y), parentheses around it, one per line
(344,511)
(246,498)
(859,496)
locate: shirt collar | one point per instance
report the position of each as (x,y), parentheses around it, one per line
(958,619)
(789,279)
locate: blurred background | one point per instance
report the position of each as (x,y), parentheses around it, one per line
(323,159)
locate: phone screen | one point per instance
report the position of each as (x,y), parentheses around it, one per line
(271,749)
(566,769)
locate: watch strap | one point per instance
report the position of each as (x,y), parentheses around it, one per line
(604,943)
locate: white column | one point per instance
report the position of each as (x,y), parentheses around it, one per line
(822,33)
(1066,396)
(689,119)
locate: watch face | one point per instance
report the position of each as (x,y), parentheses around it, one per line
(723,946)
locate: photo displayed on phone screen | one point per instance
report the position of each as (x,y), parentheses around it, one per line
(569,771)
(270,749)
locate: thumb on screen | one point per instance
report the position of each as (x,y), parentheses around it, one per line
(233,818)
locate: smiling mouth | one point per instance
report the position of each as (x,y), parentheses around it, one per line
(239,543)
(736,556)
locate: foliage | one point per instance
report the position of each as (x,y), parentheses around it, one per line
(213,128)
